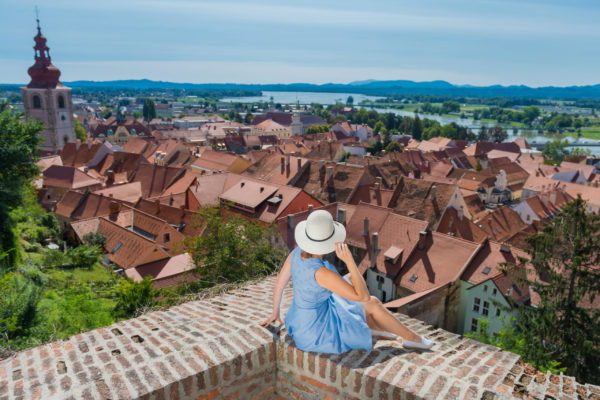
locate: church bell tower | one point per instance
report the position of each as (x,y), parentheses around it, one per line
(47,100)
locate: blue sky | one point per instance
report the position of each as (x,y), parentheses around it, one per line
(479,42)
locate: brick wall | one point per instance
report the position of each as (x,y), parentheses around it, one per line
(214,349)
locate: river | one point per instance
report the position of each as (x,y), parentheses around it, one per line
(302,98)
(326,98)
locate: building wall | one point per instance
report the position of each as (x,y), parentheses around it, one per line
(378,287)
(526,213)
(57,121)
(493,300)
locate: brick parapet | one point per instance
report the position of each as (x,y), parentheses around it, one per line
(213,348)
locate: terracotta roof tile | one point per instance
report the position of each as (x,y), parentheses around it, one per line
(129,192)
(441,260)
(67,178)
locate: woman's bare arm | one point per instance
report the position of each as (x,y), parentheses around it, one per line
(282,281)
(328,279)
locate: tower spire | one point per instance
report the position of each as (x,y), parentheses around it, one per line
(37,19)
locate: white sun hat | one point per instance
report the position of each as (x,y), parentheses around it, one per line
(319,233)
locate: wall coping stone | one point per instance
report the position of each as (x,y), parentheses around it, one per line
(214,348)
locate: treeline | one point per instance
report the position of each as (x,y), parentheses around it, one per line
(493,101)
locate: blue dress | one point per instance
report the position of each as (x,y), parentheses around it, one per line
(319,320)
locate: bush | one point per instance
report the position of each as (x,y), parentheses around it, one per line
(84,256)
(55,258)
(95,239)
(19,298)
(134,297)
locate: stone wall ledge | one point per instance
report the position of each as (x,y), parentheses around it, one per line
(214,349)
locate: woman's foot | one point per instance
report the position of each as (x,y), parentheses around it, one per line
(424,344)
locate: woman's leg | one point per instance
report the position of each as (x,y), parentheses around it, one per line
(381,319)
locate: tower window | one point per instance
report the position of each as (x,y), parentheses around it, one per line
(62,118)
(37,101)
(61,102)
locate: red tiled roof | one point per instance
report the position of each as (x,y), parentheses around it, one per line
(129,192)
(441,260)
(155,179)
(67,177)
(79,154)
(463,228)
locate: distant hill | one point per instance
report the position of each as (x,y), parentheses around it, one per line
(369,87)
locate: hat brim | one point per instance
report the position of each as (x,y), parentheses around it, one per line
(318,248)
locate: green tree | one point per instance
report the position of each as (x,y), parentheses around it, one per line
(134,297)
(80,132)
(19,298)
(350,101)
(497,134)
(393,146)
(95,239)
(231,248)
(564,326)
(530,113)
(84,256)
(149,109)
(556,150)
(478,166)
(417,128)
(249,117)
(19,140)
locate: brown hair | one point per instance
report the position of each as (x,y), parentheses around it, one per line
(305,254)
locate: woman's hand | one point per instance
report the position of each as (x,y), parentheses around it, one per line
(274,317)
(343,252)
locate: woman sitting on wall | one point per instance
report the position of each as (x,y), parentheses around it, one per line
(330,313)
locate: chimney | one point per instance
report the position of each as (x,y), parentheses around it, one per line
(553,197)
(379,181)
(287,160)
(156,206)
(290,221)
(182,211)
(310,208)
(366,227)
(329,174)
(374,249)
(422,238)
(544,198)
(114,207)
(564,187)
(505,248)
(433,191)
(341,216)
(282,164)
(111,175)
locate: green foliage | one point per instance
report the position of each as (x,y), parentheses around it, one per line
(19,298)
(19,142)
(350,101)
(149,109)
(393,146)
(478,166)
(137,114)
(80,132)
(134,297)
(497,134)
(95,239)
(231,248)
(55,258)
(556,150)
(564,327)
(317,129)
(84,256)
